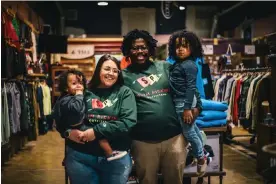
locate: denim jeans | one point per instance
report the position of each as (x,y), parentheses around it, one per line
(88,169)
(190,131)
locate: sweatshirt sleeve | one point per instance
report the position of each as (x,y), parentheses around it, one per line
(74,108)
(189,70)
(127,118)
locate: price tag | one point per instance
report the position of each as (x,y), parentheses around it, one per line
(249,49)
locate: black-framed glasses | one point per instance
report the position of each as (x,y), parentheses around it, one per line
(137,48)
(114,70)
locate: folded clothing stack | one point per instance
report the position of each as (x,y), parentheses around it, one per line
(213,114)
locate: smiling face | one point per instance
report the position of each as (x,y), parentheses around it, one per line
(109,74)
(182,48)
(139,52)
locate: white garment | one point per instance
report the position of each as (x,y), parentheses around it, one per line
(46,99)
(217,87)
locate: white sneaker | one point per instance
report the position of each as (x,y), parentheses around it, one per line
(116,155)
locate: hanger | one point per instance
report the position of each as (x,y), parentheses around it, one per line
(11,12)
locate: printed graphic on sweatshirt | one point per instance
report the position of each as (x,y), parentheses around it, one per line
(92,118)
(97,104)
(148,81)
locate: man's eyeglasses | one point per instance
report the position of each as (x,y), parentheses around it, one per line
(114,70)
(143,48)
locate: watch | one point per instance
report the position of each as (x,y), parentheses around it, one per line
(67,133)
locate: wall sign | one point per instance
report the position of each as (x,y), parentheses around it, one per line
(79,51)
(167,9)
(249,49)
(208,49)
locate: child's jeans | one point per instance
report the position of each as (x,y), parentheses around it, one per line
(190,131)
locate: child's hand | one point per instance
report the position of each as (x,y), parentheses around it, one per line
(79,89)
(82,136)
(188,116)
(88,135)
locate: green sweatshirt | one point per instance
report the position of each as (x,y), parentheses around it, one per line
(111,113)
(156,116)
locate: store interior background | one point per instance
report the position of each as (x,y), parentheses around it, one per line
(99,29)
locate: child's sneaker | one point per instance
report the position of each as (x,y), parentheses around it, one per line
(116,155)
(201,168)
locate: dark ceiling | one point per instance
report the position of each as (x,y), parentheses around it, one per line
(106,20)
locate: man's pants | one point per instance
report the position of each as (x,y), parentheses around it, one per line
(168,155)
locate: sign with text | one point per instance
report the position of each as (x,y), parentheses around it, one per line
(208,49)
(79,51)
(249,49)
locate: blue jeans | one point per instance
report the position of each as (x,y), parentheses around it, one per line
(190,131)
(88,169)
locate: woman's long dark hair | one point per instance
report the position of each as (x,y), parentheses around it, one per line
(96,81)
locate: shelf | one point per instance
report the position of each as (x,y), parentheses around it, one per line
(36,75)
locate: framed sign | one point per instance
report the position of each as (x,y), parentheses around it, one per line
(249,49)
(79,51)
(208,49)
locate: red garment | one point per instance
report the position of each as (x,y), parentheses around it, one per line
(9,31)
(125,62)
(236,102)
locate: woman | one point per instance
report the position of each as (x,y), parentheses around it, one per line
(111,113)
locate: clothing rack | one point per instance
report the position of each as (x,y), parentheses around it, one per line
(245,70)
(14,14)
(262,69)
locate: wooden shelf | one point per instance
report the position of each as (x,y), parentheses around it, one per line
(36,75)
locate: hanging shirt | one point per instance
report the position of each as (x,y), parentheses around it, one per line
(228,89)
(249,96)
(5,122)
(46,99)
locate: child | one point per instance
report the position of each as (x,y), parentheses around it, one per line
(69,111)
(184,48)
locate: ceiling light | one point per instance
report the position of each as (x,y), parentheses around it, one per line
(181,8)
(102,3)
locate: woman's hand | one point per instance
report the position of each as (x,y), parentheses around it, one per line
(75,135)
(88,135)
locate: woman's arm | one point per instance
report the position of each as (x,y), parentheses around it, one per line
(127,118)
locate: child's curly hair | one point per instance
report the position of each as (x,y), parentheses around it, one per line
(135,34)
(194,41)
(63,80)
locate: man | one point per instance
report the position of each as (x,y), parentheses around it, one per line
(157,140)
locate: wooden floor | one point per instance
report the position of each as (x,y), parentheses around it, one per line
(40,163)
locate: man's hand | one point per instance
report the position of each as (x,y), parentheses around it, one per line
(75,136)
(188,116)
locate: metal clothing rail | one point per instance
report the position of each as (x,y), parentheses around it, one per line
(247,70)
